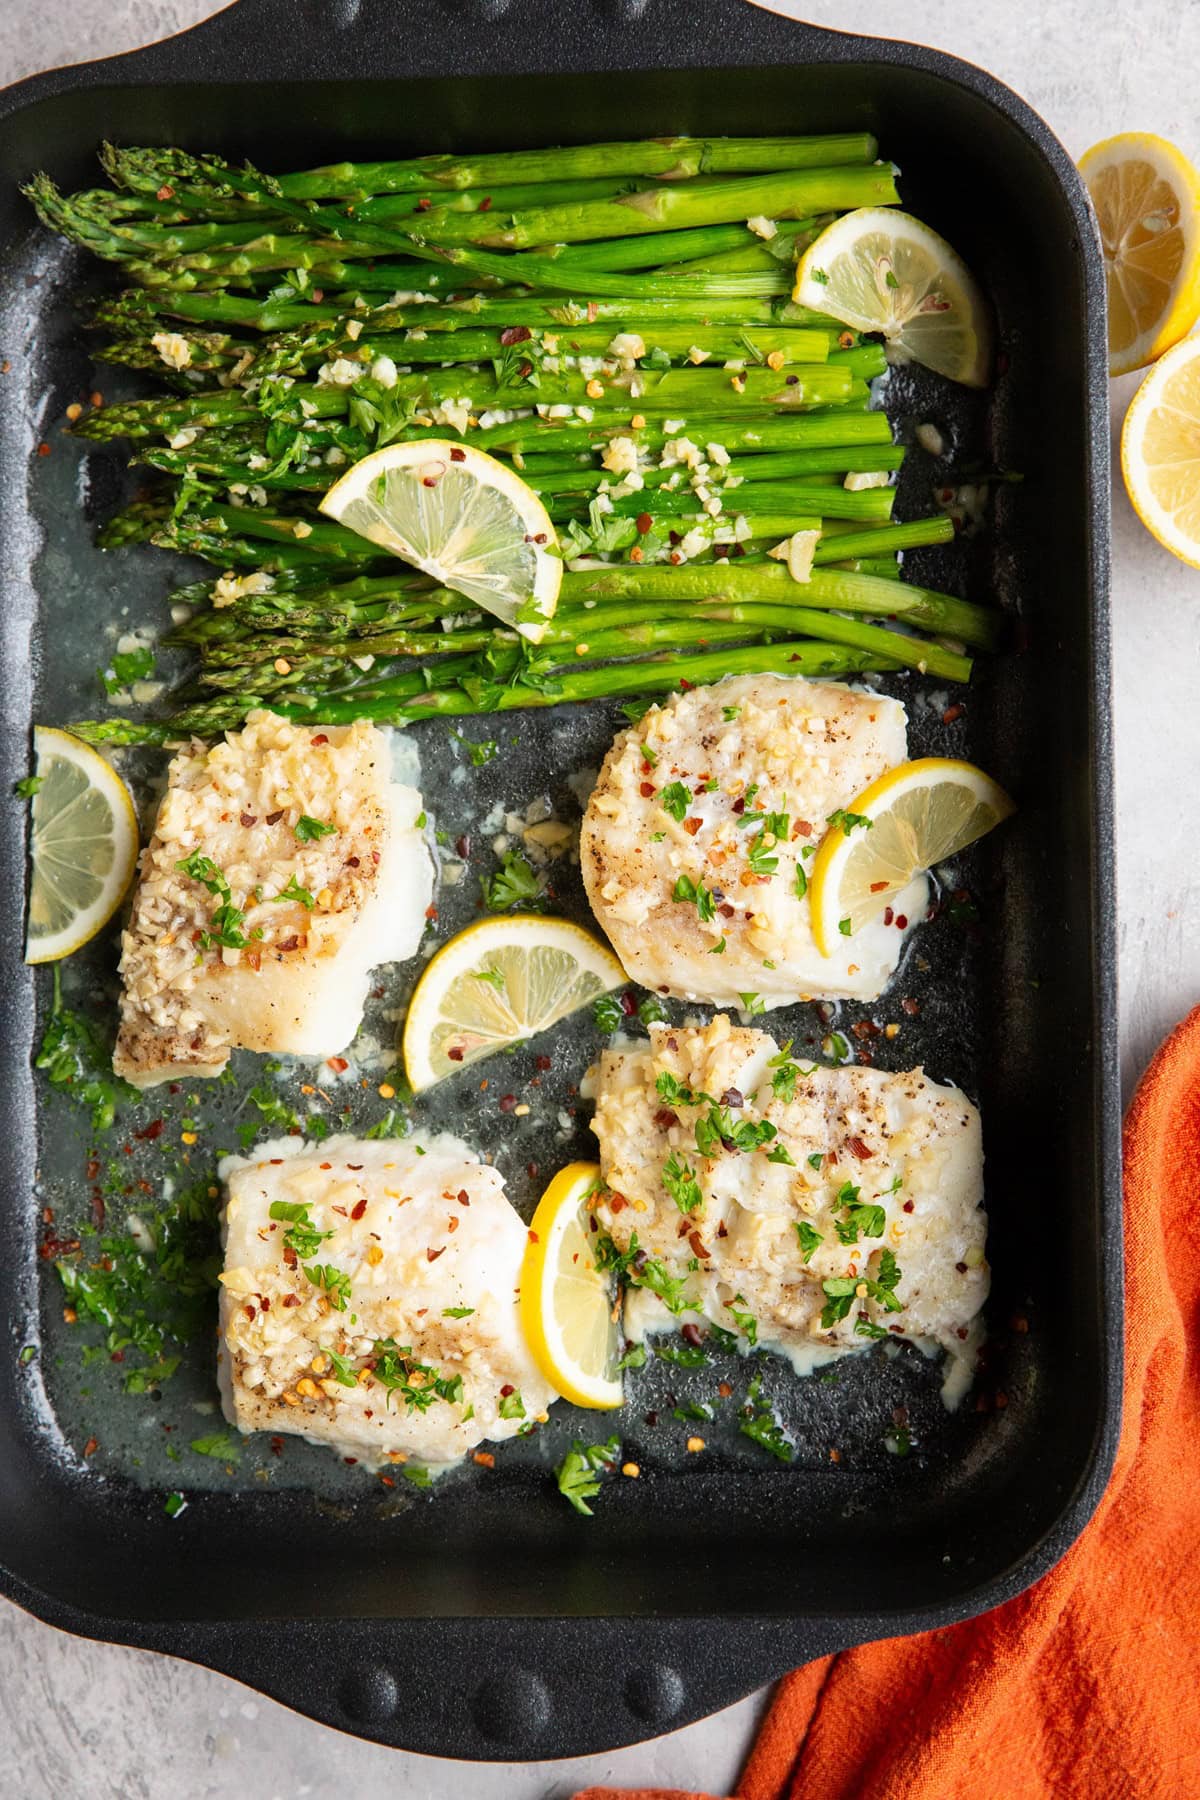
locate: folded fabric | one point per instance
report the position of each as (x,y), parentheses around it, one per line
(1083,1688)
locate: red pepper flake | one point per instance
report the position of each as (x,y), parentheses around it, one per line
(452,1222)
(337,1063)
(118,1356)
(248,819)
(423,205)
(276,1446)
(387,1481)
(865,1028)
(628,1004)
(698,1247)
(43,450)
(149,1132)
(92,1172)
(506,1390)
(593,312)
(318,295)
(691,1333)
(455,1053)
(91,1447)
(515,334)
(430,912)
(901,922)
(53,1247)
(646,789)
(835,1456)
(877,887)
(321,738)
(274,818)
(888,915)
(485,205)
(98,1210)
(291,1299)
(908,1206)
(165,192)
(643,523)
(543,1063)
(952,713)
(507,1102)
(857,1148)
(484,1458)
(432,1255)
(692,825)
(462,1197)
(721,1231)
(356,1212)
(533,1237)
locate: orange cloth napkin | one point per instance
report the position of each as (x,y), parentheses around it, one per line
(1086,1687)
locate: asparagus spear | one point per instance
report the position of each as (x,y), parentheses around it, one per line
(670,159)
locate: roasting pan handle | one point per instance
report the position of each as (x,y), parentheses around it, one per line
(505,1689)
(372,40)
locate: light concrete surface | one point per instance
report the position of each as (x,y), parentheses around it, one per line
(82,1721)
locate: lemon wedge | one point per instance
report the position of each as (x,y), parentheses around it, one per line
(1160,451)
(465,519)
(498,982)
(882,270)
(569,1309)
(1146,196)
(83,846)
(912,818)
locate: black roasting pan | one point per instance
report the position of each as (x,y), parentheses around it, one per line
(488,1620)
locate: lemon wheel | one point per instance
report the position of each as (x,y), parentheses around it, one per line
(1160,451)
(912,818)
(465,519)
(569,1308)
(882,270)
(83,846)
(498,982)
(1146,197)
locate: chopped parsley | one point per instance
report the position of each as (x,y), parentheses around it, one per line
(273,1111)
(683,1355)
(309,831)
(816,1159)
(780,1154)
(492,976)
(418,1384)
(766,1431)
(836,1047)
(417,1475)
(810,1239)
(173,1505)
(302,1235)
(668,1087)
(75,1058)
(860,1219)
(752,1003)
(515,883)
(225,924)
(639,1270)
(698,895)
(394,1124)
(746,1323)
(718,1130)
(844,927)
(649,755)
(849,821)
(679,1179)
(786,1072)
(718,948)
(760,860)
(127,666)
(457,1312)
(578,1474)
(801,884)
(512,1406)
(220,1445)
(841,1291)
(651,1010)
(28,786)
(730,713)
(342,1371)
(608,1013)
(332,1281)
(675,800)
(293,891)
(634,1358)
(478,754)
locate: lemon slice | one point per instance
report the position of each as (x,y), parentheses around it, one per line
(916,815)
(497,983)
(1160,451)
(569,1310)
(83,846)
(882,270)
(1146,196)
(465,519)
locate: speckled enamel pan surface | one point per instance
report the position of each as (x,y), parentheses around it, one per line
(488,1619)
